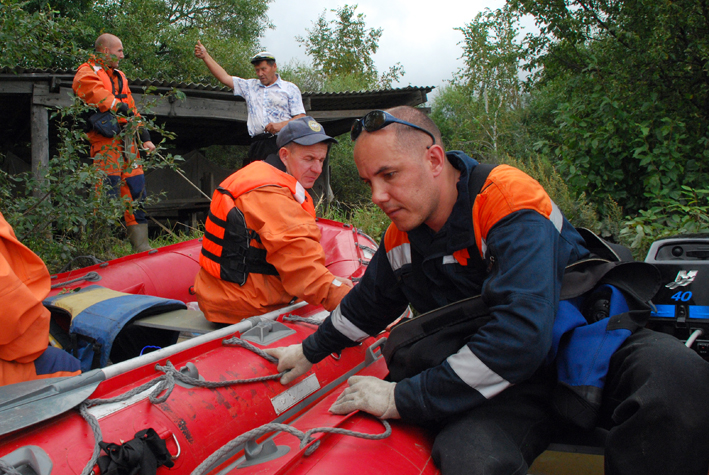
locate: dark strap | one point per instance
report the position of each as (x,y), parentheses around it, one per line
(263,136)
(120,86)
(256,262)
(224,191)
(477,179)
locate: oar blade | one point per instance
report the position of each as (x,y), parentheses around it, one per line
(24,404)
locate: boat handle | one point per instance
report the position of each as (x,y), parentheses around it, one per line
(179,450)
(370,357)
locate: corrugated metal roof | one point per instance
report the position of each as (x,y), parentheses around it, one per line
(323,100)
(335,110)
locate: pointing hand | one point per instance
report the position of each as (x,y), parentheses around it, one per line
(199,50)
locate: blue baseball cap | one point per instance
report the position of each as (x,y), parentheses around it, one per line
(303,131)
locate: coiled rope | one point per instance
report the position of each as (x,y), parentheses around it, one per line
(166,383)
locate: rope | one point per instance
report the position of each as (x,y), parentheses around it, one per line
(296,318)
(91,276)
(235,341)
(305,439)
(8,469)
(366,248)
(164,384)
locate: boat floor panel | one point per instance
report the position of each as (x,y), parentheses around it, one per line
(180,320)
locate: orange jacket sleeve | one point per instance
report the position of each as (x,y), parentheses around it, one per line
(24,283)
(292,241)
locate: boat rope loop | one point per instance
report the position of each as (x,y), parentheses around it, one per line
(165,384)
(91,277)
(296,318)
(8,469)
(305,439)
(236,341)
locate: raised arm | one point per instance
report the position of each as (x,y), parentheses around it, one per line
(217,71)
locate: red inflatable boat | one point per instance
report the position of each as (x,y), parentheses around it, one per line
(53,426)
(169,271)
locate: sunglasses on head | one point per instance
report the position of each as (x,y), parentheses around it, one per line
(377,120)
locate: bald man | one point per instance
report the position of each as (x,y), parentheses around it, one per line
(100,84)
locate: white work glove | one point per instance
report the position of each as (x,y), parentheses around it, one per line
(368,394)
(290,358)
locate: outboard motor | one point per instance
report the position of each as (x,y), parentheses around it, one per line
(683,300)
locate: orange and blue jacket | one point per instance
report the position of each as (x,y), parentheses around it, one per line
(24,283)
(261,248)
(509,243)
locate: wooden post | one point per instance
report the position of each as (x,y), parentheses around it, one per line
(39,127)
(40,141)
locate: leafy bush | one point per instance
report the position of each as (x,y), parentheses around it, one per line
(346,184)
(667,217)
(60,214)
(39,39)
(368,218)
(578,210)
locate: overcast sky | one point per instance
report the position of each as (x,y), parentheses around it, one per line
(418,34)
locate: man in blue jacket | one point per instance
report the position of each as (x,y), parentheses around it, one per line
(491,402)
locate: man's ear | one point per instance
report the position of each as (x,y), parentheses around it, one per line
(284,155)
(436,159)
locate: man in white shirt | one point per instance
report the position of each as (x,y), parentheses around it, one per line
(271,101)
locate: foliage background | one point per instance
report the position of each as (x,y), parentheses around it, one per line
(605,103)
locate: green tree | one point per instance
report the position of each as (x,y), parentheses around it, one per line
(480,111)
(493,57)
(159,35)
(341,50)
(623,89)
(39,38)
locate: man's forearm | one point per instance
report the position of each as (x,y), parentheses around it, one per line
(275,127)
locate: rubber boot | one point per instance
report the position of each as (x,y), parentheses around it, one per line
(138,235)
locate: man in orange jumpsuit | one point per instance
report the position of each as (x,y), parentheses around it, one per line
(261,248)
(24,339)
(100,84)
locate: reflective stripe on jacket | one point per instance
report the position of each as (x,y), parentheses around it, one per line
(96,86)
(525,252)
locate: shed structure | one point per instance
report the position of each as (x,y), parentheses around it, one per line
(207,115)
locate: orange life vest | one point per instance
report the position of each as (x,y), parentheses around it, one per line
(230,250)
(122,93)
